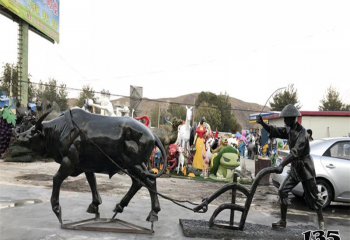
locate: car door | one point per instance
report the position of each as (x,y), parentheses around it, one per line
(336,162)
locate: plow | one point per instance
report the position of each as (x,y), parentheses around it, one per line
(117,225)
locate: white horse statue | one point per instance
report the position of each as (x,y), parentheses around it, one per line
(184,133)
(104,104)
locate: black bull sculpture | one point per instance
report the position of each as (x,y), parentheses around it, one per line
(82,142)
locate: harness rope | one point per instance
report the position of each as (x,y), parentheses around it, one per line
(176,201)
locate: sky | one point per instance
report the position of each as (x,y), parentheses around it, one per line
(246,49)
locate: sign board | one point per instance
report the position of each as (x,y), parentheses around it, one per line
(136,94)
(265,116)
(43,15)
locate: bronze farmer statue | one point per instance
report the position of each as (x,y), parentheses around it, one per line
(302,167)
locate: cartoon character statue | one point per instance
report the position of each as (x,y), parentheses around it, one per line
(173,157)
(207,155)
(199,141)
(181,160)
(158,159)
(224,164)
(265,150)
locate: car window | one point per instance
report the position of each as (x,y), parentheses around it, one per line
(339,150)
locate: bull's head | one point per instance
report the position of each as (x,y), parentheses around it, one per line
(33,137)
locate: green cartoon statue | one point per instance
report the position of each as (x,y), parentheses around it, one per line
(224,164)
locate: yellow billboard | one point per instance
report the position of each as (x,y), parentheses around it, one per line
(43,15)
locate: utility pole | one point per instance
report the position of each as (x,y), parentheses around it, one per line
(193,111)
(158,115)
(23,63)
(10,93)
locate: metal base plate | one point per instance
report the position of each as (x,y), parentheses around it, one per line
(200,229)
(106,225)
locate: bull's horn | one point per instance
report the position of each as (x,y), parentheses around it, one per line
(41,119)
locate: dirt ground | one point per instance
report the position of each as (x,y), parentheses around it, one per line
(40,173)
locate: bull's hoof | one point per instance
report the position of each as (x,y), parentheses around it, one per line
(58,212)
(92,209)
(118,208)
(321,225)
(152,217)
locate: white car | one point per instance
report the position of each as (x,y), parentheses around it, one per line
(331,158)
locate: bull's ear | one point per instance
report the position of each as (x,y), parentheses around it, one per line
(38,124)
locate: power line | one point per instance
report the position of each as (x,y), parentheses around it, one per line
(142,99)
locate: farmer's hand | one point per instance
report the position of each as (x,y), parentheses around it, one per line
(279,169)
(259,119)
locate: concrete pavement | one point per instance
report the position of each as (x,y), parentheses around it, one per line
(32,217)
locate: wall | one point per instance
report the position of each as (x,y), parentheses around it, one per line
(322,126)
(327,126)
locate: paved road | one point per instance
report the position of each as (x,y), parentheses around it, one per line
(33,219)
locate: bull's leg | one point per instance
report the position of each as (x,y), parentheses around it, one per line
(96,199)
(63,172)
(152,188)
(136,185)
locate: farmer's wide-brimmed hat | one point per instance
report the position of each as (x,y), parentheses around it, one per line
(290,111)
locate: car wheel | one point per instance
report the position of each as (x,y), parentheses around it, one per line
(324,192)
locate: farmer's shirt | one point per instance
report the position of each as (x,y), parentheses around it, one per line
(302,166)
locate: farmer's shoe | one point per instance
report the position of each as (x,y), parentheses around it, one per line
(320,219)
(321,225)
(281,223)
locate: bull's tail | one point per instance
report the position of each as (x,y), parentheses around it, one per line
(159,144)
(164,156)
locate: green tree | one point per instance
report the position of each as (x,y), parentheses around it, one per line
(229,121)
(211,114)
(208,97)
(154,115)
(86,93)
(332,101)
(50,92)
(10,77)
(176,110)
(158,113)
(281,99)
(217,110)
(62,100)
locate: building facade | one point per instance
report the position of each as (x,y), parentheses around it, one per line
(322,123)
